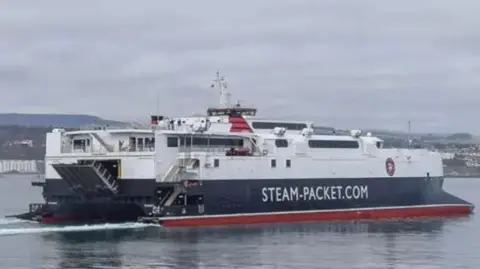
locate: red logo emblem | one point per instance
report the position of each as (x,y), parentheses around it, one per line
(390,166)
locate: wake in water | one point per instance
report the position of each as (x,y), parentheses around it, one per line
(73,228)
(8,221)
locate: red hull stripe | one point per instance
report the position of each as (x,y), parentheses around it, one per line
(380,213)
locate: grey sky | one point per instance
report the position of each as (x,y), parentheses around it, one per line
(339,63)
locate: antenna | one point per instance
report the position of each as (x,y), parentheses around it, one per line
(222,86)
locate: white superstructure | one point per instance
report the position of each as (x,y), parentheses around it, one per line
(279,153)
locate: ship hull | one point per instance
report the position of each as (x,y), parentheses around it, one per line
(290,200)
(91,212)
(264,201)
(63,205)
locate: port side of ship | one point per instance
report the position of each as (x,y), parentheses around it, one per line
(285,175)
(230,167)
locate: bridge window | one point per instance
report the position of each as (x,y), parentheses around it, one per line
(271,125)
(281,143)
(172,142)
(338,144)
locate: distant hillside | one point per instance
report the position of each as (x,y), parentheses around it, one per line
(56,120)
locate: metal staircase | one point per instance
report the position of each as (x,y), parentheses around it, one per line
(102,142)
(173,196)
(172,173)
(175,170)
(106,177)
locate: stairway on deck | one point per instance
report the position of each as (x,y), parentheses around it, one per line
(88,177)
(175,169)
(108,147)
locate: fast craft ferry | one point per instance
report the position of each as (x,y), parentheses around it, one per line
(229,167)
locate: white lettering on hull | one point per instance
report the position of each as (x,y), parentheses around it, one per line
(318,193)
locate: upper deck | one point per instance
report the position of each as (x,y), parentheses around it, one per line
(100,142)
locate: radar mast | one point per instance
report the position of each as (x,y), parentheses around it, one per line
(221,83)
(225,108)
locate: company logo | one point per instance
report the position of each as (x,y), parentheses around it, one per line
(390,166)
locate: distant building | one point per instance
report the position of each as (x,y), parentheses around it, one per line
(18,166)
(447,155)
(25,142)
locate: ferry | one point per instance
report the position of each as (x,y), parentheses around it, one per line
(230,167)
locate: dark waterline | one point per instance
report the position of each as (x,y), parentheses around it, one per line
(426,243)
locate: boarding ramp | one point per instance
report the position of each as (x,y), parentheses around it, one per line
(88,177)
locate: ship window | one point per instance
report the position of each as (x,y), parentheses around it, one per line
(338,144)
(271,125)
(216,163)
(79,144)
(172,142)
(150,143)
(273,163)
(132,143)
(281,143)
(288,163)
(379,144)
(140,143)
(214,142)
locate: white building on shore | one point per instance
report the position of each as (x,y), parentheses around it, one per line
(18,166)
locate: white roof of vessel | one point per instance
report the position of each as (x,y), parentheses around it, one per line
(112,131)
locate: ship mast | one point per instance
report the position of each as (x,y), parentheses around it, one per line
(225,107)
(221,83)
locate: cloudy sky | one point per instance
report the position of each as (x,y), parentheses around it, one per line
(340,63)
